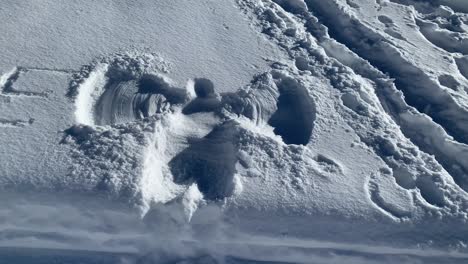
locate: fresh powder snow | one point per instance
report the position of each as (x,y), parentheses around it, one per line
(234,131)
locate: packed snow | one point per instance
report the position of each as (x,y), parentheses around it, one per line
(234,131)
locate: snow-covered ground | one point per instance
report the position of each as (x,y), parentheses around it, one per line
(234,131)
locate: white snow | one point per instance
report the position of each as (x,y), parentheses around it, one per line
(88,93)
(234,131)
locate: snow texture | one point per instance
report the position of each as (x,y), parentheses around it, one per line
(234,131)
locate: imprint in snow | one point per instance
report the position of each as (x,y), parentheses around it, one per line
(8,80)
(352,4)
(391,29)
(449,81)
(127,101)
(206,99)
(462,64)
(210,162)
(430,190)
(294,119)
(389,197)
(385,20)
(293,6)
(15,122)
(123,88)
(328,164)
(442,38)
(278,100)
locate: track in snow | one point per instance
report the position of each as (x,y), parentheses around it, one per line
(442,109)
(426,134)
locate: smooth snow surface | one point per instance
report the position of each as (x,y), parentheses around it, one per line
(234,131)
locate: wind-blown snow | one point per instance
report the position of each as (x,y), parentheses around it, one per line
(247,131)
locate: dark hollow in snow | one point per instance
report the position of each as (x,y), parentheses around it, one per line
(449,81)
(462,64)
(202,105)
(203,87)
(385,20)
(206,101)
(294,119)
(430,191)
(153,84)
(302,63)
(210,162)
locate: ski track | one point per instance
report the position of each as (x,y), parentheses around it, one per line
(433,102)
(452,42)
(444,148)
(383,147)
